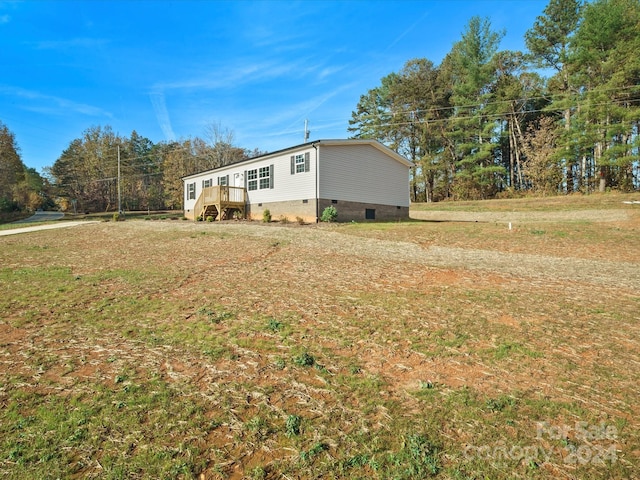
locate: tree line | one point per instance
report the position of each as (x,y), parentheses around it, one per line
(103,171)
(21,188)
(562,117)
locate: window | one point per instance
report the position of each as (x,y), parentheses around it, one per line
(260,178)
(370,213)
(265,175)
(191,191)
(300,163)
(206,183)
(252,180)
(224,180)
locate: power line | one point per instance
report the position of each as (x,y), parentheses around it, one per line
(522,100)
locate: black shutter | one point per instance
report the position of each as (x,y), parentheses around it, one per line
(227,179)
(293,164)
(245,179)
(307,162)
(271,176)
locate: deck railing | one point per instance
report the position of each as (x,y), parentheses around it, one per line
(222,196)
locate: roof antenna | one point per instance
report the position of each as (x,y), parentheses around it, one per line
(306,131)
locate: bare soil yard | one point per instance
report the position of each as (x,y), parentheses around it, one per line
(449,347)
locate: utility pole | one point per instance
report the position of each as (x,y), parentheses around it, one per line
(306,131)
(119,190)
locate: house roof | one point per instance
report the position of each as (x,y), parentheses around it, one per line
(371,142)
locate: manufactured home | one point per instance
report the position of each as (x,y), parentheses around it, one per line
(362,179)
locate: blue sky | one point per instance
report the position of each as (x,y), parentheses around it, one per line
(169,68)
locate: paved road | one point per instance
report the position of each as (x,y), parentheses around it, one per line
(42,217)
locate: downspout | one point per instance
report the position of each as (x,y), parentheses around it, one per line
(317,149)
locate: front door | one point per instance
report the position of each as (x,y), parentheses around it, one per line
(238,181)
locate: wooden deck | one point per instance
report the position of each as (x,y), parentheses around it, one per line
(220,202)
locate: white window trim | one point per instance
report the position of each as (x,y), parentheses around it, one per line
(264,177)
(252,179)
(300,163)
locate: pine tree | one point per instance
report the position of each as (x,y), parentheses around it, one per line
(607,69)
(477,174)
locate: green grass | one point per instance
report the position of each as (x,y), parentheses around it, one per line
(123,427)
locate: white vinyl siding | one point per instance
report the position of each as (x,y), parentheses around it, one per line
(279,185)
(259,178)
(362,174)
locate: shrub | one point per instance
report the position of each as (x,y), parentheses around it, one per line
(118,217)
(300,220)
(266,215)
(329,214)
(209,218)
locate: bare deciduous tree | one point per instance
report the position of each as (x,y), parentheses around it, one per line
(541,168)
